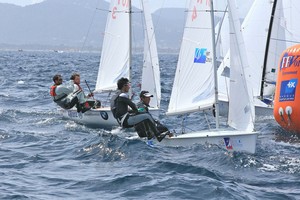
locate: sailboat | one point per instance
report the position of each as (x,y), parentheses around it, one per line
(264,40)
(116,63)
(195,85)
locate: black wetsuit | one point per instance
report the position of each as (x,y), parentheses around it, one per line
(122,104)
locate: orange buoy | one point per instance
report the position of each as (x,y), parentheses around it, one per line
(287,94)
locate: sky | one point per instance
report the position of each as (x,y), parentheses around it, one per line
(21,2)
(154,3)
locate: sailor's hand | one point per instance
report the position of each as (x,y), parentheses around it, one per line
(91,95)
(141,110)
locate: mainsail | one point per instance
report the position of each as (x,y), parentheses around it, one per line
(255,30)
(275,44)
(114,62)
(193,87)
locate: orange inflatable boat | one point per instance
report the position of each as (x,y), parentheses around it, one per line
(287,95)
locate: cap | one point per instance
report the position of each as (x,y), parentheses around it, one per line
(145,94)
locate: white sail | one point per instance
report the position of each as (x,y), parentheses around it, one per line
(224,77)
(193,87)
(241,108)
(151,71)
(114,62)
(224,68)
(222,37)
(276,45)
(255,30)
(291,21)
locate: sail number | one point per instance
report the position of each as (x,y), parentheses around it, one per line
(194,13)
(122,3)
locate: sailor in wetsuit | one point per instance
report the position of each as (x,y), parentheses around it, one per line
(129,118)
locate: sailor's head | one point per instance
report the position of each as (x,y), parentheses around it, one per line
(145,97)
(145,94)
(57,79)
(122,83)
(75,77)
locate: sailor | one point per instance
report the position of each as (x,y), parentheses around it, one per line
(64,95)
(143,107)
(143,104)
(85,103)
(130,117)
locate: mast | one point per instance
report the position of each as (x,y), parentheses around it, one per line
(214,62)
(130,46)
(267,49)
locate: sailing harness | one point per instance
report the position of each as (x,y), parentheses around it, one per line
(53,94)
(62,101)
(123,120)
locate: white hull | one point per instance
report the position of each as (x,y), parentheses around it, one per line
(97,118)
(259,109)
(231,140)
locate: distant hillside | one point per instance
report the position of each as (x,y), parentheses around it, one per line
(78,25)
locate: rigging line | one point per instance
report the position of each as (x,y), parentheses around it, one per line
(134,32)
(215,11)
(106,10)
(143,19)
(156,24)
(221,23)
(90,25)
(291,41)
(150,37)
(207,121)
(159,16)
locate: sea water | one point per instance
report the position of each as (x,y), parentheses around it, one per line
(43,156)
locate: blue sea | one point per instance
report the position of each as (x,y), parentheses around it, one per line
(43,156)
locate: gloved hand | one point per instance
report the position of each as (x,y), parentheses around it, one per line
(141,110)
(91,95)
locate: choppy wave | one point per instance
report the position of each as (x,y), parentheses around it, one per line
(44,156)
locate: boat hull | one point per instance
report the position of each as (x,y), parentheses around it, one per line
(230,140)
(97,118)
(259,109)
